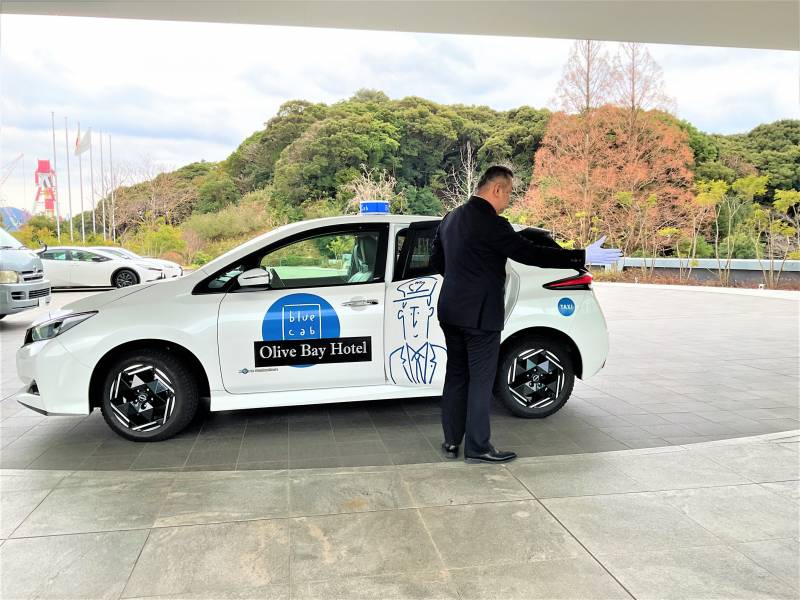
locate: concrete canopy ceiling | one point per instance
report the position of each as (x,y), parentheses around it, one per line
(769,24)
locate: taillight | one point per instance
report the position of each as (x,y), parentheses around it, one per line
(582,281)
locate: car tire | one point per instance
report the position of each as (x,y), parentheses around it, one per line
(124,278)
(535,377)
(148,395)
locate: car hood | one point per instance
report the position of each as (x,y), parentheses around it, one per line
(19,259)
(95,301)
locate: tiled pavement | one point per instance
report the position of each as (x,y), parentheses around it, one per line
(685,366)
(716,519)
(713,520)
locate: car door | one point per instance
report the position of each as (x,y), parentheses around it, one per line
(318,324)
(416,354)
(57,263)
(89,269)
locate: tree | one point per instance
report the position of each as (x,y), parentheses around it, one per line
(587,180)
(703,205)
(776,234)
(216,191)
(638,82)
(730,213)
(422,201)
(159,194)
(462,180)
(373,185)
(787,202)
(587,78)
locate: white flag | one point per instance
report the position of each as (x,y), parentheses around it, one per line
(82,145)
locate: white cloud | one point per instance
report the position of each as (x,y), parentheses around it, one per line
(180,92)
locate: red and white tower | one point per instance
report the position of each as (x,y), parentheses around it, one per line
(45,202)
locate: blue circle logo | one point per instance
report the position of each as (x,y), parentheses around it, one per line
(566,306)
(300,317)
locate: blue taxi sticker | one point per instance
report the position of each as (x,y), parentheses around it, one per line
(566,306)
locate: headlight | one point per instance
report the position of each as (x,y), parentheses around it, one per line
(9,277)
(52,328)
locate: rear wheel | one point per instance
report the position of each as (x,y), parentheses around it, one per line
(124,278)
(148,396)
(535,377)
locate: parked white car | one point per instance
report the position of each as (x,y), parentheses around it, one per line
(171,269)
(277,320)
(76,266)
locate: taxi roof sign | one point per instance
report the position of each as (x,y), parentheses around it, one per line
(374,207)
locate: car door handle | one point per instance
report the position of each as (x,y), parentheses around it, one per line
(360,303)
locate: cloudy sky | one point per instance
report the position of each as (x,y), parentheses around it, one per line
(173,93)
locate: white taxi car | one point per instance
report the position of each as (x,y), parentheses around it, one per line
(331,310)
(76,266)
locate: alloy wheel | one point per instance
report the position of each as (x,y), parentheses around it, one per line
(535,378)
(142,398)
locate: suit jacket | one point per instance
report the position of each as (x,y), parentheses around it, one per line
(470,249)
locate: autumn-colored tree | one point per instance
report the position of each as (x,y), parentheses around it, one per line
(587,78)
(587,179)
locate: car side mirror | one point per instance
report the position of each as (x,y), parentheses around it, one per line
(253,277)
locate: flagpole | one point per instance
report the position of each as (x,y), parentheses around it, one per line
(80,176)
(56,191)
(91,177)
(25,186)
(113,207)
(69,180)
(103,185)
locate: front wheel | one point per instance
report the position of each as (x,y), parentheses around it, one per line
(148,396)
(535,377)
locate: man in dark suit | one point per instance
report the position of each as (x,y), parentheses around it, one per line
(470,250)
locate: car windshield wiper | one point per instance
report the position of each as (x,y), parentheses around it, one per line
(10,247)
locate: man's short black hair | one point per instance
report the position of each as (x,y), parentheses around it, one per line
(494,172)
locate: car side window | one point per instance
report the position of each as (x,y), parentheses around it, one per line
(339,258)
(414,257)
(328,256)
(56,255)
(83,256)
(399,241)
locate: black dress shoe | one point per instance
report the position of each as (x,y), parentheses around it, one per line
(492,456)
(450,450)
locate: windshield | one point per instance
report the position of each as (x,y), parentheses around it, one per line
(9,241)
(114,251)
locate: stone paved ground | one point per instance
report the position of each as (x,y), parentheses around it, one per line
(711,520)
(685,366)
(619,495)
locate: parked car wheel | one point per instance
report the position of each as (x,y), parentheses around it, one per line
(124,278)
(148,395)
(535,377)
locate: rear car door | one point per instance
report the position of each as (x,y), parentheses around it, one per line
(415,349)
(89,269)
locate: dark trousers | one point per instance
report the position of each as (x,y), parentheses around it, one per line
(471,367)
